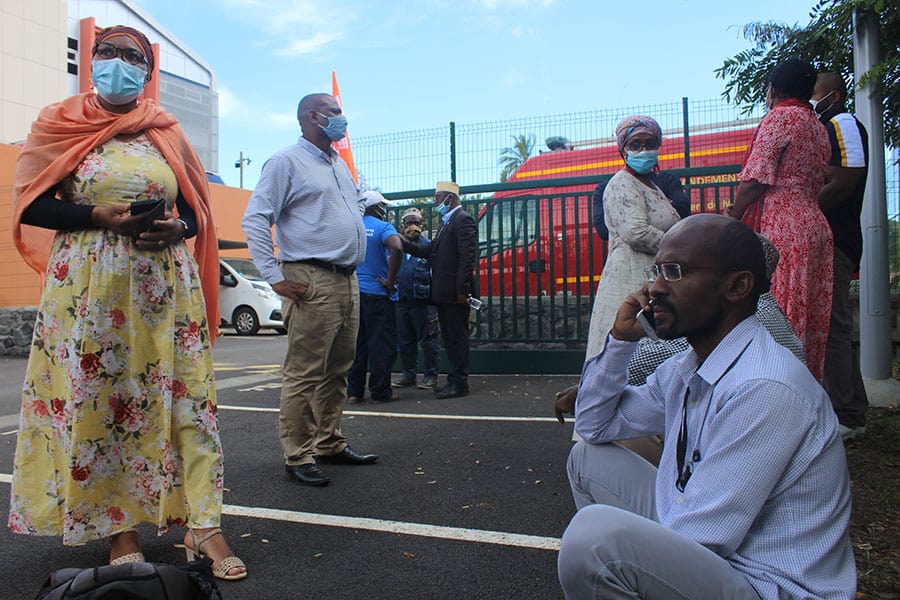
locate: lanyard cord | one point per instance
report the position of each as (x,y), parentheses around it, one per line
(681,446)
(684,471)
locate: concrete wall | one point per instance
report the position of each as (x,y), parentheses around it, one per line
(32,62)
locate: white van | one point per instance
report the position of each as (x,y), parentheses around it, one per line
(246,300)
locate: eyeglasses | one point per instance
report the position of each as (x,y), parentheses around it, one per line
(670,271)
(636,145)
(129,55)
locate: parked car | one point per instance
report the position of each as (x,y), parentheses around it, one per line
(246,301)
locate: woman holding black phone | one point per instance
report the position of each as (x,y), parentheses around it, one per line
(118,424)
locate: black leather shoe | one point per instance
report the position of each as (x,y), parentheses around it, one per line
(451,391)
(349,456)
(308,474)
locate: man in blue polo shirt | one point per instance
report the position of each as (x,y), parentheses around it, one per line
(376,341)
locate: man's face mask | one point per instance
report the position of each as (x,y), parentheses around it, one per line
(336,129)
(413,231)
(816,103)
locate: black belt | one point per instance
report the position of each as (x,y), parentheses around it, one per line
(326,265)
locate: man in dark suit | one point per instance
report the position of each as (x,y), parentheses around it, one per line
(452,256)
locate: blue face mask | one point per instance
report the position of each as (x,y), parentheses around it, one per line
(443,209)
(337,127)
(116,81)
(642,162)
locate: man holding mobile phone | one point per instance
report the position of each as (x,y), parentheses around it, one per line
(751,443)
(453,287)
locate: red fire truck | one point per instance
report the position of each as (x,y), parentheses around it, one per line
(540,241)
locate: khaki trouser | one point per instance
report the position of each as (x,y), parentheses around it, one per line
(321,345)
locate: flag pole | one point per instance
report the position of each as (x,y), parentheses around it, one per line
(343,146)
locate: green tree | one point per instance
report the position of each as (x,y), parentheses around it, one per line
(827,42)
(512,158)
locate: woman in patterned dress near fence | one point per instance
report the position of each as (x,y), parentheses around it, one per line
(786,165)
(637,214)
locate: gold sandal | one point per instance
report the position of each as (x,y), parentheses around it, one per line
(220,571)
(132,557)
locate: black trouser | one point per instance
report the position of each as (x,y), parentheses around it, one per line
(454,319)
(376,345)
(417,326)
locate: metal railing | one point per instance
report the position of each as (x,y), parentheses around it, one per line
(540,259)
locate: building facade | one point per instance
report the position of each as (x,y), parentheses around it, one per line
(45,56)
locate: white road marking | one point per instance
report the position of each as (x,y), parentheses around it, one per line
(393,415)
(9,421)
(478,536)
(244,380)
(398,527)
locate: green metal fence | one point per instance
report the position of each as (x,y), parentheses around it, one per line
(539,265)
(538,289)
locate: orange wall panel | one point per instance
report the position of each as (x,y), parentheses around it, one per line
(19,286)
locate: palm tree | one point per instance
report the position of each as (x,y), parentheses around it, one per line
(512,158)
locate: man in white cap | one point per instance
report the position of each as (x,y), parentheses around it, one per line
(452,254)
(376,341)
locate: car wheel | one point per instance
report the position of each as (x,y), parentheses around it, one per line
(245,321)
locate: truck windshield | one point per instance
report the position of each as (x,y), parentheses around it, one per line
(507,224)
(246,268)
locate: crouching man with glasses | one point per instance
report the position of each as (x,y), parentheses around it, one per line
(752,496)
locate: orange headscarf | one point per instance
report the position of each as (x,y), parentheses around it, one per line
(63,135)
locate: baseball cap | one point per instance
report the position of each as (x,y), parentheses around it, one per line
(372,198)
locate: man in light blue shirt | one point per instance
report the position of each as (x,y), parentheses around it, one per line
(376,342)
(752,497)
(307,193)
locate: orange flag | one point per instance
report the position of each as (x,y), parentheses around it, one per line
(343,146)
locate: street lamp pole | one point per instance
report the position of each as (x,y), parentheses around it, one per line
(239,164)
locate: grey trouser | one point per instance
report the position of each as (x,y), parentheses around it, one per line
(321,345)
(615,550)
(842,379)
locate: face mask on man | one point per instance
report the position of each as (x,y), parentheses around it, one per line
(444,208)
(116,81)
(336,129)
(815,103)
(642,162)
(412,232)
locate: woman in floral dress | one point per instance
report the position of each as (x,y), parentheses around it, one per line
(786,165)
(637,214)
(118,423)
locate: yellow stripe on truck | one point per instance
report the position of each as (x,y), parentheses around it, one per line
(618,162)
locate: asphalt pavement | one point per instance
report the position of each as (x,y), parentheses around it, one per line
(468,500)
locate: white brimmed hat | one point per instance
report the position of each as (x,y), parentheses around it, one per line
(373,198)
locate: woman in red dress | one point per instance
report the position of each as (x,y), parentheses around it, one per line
(786,165)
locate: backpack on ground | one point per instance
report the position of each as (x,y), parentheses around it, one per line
(133,581)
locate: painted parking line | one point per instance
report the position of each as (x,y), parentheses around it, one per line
(480,536)
(395,415)
(461,534)
(366,413)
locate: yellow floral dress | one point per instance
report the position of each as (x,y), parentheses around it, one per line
(118,423)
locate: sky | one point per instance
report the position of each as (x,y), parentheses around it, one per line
(414,64)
